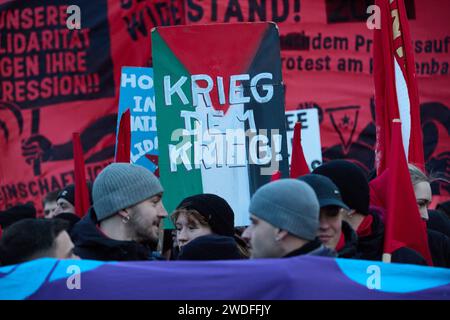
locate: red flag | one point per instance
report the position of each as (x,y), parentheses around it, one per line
(276,176)
(82,202)
(403,224)
(299,167)
(154,159)
(124,138)
(377,187)
(396,94)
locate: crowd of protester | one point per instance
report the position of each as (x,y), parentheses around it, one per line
(326,213)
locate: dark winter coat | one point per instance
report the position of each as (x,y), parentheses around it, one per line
(439,221)
(351,242)
(370,247)
(439,245)
(313,248)
(91,243)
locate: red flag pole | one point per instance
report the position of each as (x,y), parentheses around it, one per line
(299,167)
(82,202)
(124,139)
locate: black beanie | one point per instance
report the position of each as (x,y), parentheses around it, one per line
(351,181)
(210,247)
(68,193)
(216,210)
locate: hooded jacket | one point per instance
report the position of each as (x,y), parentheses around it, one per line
(91,243)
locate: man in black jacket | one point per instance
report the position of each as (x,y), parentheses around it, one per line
(354,187)
(31,239)
(284,221)
(334,232)
(124,222)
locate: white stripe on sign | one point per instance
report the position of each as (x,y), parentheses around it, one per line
(404,106)
(230,179)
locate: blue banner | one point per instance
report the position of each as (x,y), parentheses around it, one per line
(137,94)
(304,277)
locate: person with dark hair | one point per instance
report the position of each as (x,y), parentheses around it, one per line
(211,247)
(124,222)
(284,217)
(354,187)
(66,199)
(49,204)
(15,214)
(204,214)
(334,232)
(31,239)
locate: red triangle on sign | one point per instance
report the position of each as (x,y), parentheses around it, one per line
(216,50)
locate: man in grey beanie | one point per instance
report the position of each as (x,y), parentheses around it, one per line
(124,221)
(284,221)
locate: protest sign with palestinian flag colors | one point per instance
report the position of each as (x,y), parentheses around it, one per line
(220,111)
(327,64)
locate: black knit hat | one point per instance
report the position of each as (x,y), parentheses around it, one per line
(210,247)
(216,210)
(351,181)
(68,193)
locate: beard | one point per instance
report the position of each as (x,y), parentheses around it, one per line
(143,234)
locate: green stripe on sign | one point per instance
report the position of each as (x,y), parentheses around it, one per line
(181,183)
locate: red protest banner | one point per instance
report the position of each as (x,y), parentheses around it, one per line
(327,64)
(55,81)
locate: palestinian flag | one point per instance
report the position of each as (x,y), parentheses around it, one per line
(220,111)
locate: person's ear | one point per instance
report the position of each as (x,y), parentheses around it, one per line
(280,234)
(351,212)
(125,215)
